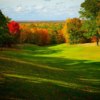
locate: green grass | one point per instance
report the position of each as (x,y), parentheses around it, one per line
(60,72)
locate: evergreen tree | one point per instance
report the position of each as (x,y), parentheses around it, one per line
(5,38)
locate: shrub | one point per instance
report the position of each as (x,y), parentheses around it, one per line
(93,39)
(56,37)
(53,37)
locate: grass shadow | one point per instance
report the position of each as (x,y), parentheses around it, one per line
(76,79)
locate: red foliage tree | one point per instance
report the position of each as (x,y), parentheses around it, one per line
(14,27)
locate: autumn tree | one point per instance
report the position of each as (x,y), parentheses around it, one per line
(73,33)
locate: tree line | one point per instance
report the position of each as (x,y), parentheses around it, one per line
(75,30)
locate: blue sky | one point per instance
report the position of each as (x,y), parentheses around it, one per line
(40,9)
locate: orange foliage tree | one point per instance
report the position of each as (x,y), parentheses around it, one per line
(39,34)
(34,35)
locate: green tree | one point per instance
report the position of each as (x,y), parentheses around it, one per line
(3,23)
(74,30)
(90,10)
(5,38)
(89,28)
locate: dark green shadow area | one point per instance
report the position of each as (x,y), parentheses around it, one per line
(52,78)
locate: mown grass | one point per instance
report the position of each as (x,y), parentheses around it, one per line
(60,72)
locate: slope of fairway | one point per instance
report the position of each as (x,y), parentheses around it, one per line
(60,72)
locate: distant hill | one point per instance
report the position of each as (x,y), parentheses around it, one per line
(34,21)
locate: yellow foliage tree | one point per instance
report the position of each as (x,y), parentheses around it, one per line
(65,30)
(71,30)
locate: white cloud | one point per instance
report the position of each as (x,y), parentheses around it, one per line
(38,7)
(45,10)
(19,9)
(47,0)
(41,9)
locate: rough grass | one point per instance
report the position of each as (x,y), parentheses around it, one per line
(60,72)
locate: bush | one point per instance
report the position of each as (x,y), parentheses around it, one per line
(6,40)
(53,37)
(57,37)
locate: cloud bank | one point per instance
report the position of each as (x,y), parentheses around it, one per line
(41,9)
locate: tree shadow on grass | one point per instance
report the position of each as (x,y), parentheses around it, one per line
(36,50)
(56,79)
(25,89)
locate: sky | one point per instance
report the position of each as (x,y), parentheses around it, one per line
(40,9)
